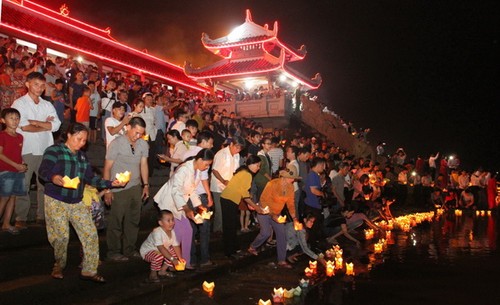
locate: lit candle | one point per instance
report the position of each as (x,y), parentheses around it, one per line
(349,269)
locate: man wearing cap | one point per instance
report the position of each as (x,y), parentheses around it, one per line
(277,193)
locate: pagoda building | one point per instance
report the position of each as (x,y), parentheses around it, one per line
(252,58)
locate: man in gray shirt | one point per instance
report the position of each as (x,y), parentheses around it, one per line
(338,182)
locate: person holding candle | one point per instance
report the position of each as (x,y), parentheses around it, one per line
(277,193)
(237,190)
(64,205)
(181,188)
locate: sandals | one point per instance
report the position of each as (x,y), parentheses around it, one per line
(57,273)
(285,265)
(96,278)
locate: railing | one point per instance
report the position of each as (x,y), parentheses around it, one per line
(331,127)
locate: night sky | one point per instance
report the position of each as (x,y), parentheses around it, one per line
(423,75)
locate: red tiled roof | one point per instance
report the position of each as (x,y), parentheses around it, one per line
(39,26)
(224,43)
(232,68)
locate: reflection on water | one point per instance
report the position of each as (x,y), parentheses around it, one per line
(447,261)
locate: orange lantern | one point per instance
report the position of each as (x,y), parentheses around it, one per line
(208,287)
(262,302)
(349,269)
(181,265)
(298,226)
(313,264)
(308,271)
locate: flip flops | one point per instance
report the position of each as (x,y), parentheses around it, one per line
(96,278)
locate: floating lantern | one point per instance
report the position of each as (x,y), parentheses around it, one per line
(388,234)
(298,226)
(304,283)
(123,177)
(367,197)
(369,233)
(71,183)
(288,294)
(278,295)
(313,264)
(338,263)
(298,291)
(145,137)
(483,212)
(330,268)
(349,269)
(329,253)
(377,248)
(208,287)
(265,210)
(181,265)
(489,212)
(477,213)
(282,219)
(262,302)
(339,252)
(309,272)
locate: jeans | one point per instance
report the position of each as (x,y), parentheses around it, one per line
(204,231)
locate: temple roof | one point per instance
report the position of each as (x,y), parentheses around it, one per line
(41,25)
(251,33)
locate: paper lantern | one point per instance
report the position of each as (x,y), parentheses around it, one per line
(377,248)
(298,226)
(304,283)
(483,212)
(71,183)
(198,219)
(208,287)
(123,177)
(288,294)
(330,269)
(297,291)
(339,263)
(308,271)
(349,269)
(388,234)
(265,210)
(278,295)
(489,212)
(145,137)
(207,214)
(262,302)
(313,264)
(181,265)
(282,219)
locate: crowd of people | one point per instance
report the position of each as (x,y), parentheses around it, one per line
(299,190)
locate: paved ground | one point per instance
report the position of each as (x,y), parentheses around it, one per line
(26,261)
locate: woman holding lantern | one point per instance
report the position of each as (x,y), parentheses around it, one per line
(65,170)
(178,191)
(277,193)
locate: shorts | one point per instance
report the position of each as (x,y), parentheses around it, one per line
(12,184)
(93,123)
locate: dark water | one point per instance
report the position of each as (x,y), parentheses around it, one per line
(451,260)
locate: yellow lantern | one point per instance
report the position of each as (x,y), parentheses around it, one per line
(349,269)
(71,183)
(308,271)
(288,294)
(262,302)
(207,214)
(298,226)
(145,137)
(181,265)
(208,287)
(282,219)
(123,177)
(489,212)
(313,264)
(338,263)
(483,213)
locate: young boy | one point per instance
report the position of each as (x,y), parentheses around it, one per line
(12,167)
(83,107)
(186,137)
(161,248)
(59,100)
(95,100)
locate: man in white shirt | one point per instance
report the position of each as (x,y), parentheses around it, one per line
(38,120)
(115,125)
(226,161)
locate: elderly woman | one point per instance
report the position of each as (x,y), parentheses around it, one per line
(63,202)
(277,193)
(175,194)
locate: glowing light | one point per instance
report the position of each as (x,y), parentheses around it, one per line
(282,77)
(79,59)
(295,84)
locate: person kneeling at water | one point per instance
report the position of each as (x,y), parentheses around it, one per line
(161,248)
(296,239)
(336,225)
